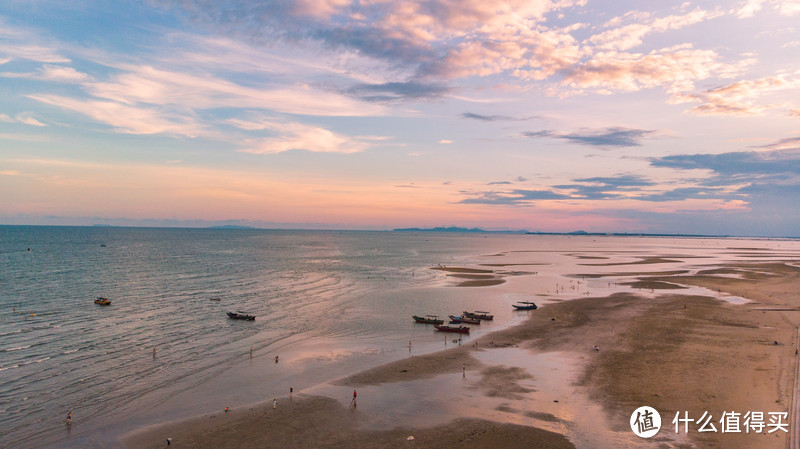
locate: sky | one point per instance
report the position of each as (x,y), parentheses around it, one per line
(544,115)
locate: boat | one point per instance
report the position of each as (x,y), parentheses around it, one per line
(478,314)
(428,319)
(241,316)
(462,319)
(215,299)
(102,301)
(458,329)
(525,305)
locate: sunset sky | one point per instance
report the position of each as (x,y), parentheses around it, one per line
(562,115)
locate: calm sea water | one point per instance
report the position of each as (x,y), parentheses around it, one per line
(328,302)
(62,352)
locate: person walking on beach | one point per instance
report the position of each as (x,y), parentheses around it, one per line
(276,359)
(69,417)
(154,352)
(275,403)
(464,371)
(251,352)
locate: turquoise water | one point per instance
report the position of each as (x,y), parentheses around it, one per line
(328,302)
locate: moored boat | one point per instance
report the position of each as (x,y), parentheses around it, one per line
(525,305)
(102,301)
(478,315)
(241,316)
(458,329)
(462,319)
(428,319)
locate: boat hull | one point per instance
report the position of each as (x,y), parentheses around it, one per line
(458,330)
(457,320)
(478,316)
(423,320)
(533,307)
(240,316)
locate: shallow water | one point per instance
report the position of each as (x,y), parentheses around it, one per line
(329,303)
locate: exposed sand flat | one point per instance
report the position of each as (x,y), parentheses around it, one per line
(618,274)
(461,270)
(657,285)
(472,276)
(482,283)
(512,264)
(642,261)
(319,422)
(670,351)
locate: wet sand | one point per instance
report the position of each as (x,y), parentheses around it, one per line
(670,351)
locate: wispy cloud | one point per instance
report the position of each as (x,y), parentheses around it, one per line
(21,44)
(127,119)
(739,98)
(394,91)
(492,118)
(24,119)
(299,136)
(516,197)
(676,68)
(151,85)
(625,37)
(750,8)
(743,165)
(789,7)
(607,137)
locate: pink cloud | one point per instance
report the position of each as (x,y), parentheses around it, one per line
(630,36)
(298,136)
(739,98)
(676,68)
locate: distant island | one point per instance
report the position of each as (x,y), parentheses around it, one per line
(231,227)
(459,230)
(456,229)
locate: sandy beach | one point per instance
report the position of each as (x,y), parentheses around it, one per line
(540,384)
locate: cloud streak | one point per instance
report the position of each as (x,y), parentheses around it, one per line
(605,138)
(299,136)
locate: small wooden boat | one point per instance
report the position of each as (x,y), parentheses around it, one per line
(462,319)
(215,299)
(241,316)
(102,301)
(525,305)
(478,315)
(428,319)
(458,329)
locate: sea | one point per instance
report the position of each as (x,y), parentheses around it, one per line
(327,304)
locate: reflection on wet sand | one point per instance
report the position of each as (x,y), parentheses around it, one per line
(567,376)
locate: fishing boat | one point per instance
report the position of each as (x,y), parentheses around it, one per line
(525,305)
(428,319)
(215,299)
(458,329)
(462,319)
(102,301)
(478,315)
(241,316)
